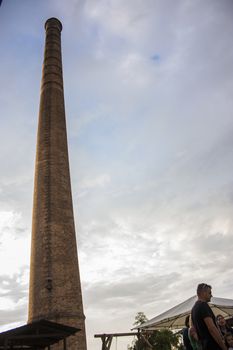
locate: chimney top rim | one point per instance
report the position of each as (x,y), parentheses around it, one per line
(53,21)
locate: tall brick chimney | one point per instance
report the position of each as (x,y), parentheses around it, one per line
(55,288)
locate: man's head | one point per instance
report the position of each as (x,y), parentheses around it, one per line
(221,320)
(204,292)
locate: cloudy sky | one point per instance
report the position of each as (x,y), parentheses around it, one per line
(148,90)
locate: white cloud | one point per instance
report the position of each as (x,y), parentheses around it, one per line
(99,181)
(13,241)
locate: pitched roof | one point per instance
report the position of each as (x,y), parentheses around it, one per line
(39,334)
(175,317)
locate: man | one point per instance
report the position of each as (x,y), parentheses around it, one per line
(203,320)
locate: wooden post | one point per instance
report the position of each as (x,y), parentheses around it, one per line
(64,343)
(5,344)
(106,341)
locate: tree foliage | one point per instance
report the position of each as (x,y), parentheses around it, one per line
(140,318)
(163,339)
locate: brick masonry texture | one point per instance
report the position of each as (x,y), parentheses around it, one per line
(55,288)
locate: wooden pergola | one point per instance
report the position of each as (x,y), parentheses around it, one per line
(107,338)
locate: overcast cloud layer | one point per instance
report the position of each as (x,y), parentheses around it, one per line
(148,90)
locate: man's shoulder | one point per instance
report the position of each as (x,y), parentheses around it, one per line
(198,304)
(201,309)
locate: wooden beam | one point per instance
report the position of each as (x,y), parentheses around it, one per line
(116,334)
(37,336)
